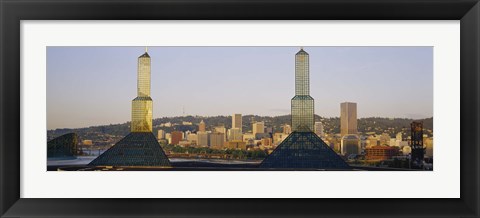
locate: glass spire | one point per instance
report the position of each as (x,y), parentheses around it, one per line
(142,105)
(302,103)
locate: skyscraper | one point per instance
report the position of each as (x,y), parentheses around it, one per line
(192,138)
(177,136)
(237,121)
(287,129)
(319,129)
(302,103)
(140,147)
(303,149)
(258,127)
(217,139)
(350,144)
(142,106)
(418,150)
(348,118)
(161,134)
(201,126)
(221,129)
(203,139)
(234,134)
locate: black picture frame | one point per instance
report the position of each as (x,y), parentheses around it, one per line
(13,11)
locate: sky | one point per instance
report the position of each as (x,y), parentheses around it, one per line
(89,86)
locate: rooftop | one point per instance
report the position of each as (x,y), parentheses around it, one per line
(145,55)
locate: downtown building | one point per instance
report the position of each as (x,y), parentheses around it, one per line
(350,141)
(217,140)
(235,134)
(237,122)
(319,129)
(203,139)
(416,144)
(348,118)
(202,127)
(350,144)
(287,129)
(258,128)
(177,136)
(140,147)
(303,149)
(161,134)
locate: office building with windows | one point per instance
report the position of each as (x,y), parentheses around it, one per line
(348,118)
(140,147)
(302,103)
(237,121)
(303,149)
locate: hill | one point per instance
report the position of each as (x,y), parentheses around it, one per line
(113,132)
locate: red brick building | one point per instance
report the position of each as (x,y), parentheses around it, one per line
(380,152)
(177,136)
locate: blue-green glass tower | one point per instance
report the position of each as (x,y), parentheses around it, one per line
(140,147)
(302,104)
(303,149)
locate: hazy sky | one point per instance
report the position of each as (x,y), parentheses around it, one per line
(95,85)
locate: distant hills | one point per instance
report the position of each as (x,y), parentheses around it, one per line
(377,125)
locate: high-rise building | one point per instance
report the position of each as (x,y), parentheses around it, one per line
(140,147)
(161,134)
(237,121)
(222,129)
(348,118)
(235,134)
(418,151)
(202,139)
(302,103)
(278,137)
(168,137)
(303,149)
(177,136)
(350,144)
(201,126)
(319,129)
(192,138)
(217,140)
(142,105)
(268,130)
(287,129)
(258,127)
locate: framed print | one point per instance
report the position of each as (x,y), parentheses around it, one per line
(239,108)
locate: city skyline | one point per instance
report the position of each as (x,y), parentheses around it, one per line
(72,105)
(306,147)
